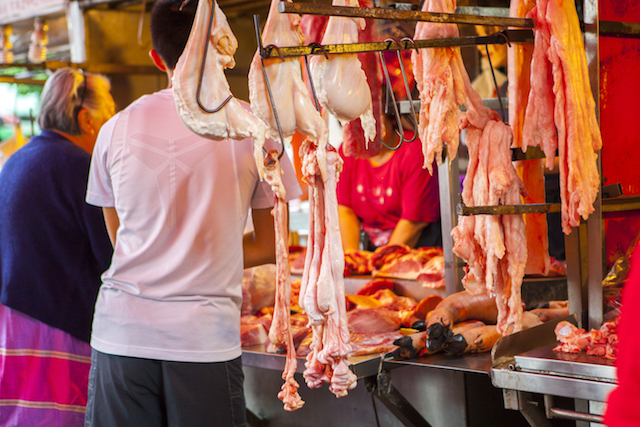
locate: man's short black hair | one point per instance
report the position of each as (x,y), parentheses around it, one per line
(170,28)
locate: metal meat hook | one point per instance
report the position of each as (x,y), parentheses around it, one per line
(313,89)
(256,24)
(313,46)
(414,116)
(400,130)
(204,58)
(493,74)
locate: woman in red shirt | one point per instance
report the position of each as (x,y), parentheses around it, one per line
(390,197)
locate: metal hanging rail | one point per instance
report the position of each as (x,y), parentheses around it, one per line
(464,210)
(400,15)
(502,37)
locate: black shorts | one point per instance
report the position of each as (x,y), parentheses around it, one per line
(127,391)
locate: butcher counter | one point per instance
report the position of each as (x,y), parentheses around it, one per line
(437,390)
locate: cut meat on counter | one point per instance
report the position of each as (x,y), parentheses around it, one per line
(340,82)
(294,108)
(322,294)
(253,334)
(378,319)
(373,286)
(441,88)
(597,342)
(386,254)
(422,264)
(560,83)
(371,343)
(234,120)
(280,332)
(357,263)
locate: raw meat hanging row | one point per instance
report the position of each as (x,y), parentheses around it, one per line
(322,295)
(530,171)
(440,84)
(234,120)
(280,332)
(560,85)
(322,289)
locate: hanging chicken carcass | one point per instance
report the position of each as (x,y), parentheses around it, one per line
(234,120)
(340,82)
(294,108)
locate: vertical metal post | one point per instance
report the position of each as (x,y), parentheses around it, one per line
(449,188)
(594,223)
(574,277)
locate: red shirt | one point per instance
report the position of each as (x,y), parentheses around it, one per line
(623,407)
(399,189)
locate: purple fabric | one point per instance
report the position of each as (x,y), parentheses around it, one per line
(43,371)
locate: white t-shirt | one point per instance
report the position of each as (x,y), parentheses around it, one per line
(173,290)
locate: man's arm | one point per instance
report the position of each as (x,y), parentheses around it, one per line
(113,222)
(258,246)
(407,232)
(349,229)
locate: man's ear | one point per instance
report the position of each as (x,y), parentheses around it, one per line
(157,61)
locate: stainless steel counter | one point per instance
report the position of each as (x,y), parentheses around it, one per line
(545,371)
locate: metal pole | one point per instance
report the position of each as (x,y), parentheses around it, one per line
(595,229)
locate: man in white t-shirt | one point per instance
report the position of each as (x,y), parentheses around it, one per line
(166,329)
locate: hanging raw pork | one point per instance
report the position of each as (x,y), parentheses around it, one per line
(322,295)
(493,246)
(530,171)
(560,84)
(340,82)
(234,120)
(440,85)
(294,108)
(280,331)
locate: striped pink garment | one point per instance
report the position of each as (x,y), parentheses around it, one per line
(44,373)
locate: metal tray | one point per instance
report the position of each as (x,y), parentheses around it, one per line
(578,365)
